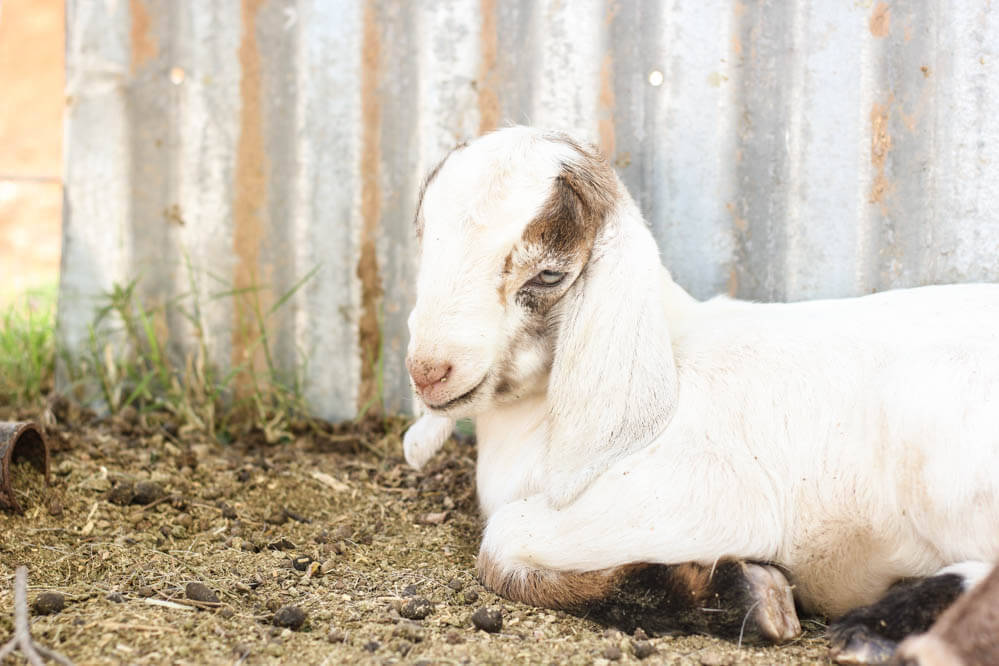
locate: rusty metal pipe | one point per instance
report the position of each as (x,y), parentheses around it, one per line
(20,441)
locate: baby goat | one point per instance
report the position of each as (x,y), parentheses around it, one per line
(648,459)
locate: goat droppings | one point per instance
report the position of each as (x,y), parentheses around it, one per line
(488,619)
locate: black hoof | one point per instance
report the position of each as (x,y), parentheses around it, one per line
(856,644)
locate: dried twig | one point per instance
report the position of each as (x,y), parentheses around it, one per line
(32,651)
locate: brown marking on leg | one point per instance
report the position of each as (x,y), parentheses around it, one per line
(726,600)
(546,587)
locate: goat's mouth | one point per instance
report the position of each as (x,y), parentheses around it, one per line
(461,399)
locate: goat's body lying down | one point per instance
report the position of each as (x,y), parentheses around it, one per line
(851,442)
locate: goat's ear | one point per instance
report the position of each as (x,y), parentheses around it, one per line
(613,384)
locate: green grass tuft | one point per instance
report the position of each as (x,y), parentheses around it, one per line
(27,347)
(130,364)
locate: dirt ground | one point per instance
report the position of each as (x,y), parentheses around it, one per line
(333,522)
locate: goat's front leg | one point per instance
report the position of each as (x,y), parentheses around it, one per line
(425,438)
(732,598)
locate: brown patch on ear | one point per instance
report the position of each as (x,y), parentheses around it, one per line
(582,195)
(418,217)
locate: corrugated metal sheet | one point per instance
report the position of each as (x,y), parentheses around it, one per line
(780,149)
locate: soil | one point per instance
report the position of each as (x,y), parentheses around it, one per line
(326,548)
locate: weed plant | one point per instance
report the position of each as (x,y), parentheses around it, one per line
(27,347)
(129,365)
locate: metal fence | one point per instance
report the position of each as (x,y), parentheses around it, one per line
(780,149)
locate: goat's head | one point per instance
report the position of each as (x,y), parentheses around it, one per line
(538,274)
(507,225)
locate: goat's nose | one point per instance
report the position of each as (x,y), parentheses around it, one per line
(426,373)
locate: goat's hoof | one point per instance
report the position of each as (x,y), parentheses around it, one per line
(773,609)
(856,644)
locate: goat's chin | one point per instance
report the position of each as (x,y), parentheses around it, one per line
(465,404)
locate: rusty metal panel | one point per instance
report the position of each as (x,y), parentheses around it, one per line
(780,151)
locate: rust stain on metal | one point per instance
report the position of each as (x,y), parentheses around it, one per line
(880,147)
(250,187)
(733,282)
(489,105)
(369,332)
(20,441)
(606,103)
(740,223)
(144,46)
(880,21)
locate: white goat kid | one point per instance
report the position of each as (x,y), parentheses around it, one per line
(622,424)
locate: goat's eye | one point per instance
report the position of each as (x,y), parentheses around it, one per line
(548,278)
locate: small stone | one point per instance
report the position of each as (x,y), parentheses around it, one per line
(612,653)
(292,617)
(49,603)
(416,609)
(185,520)
(488,619)
(277,518)
(145,592)
(147,492)
(227,613)
(454,638)
(456,585)
(129,414)
(410,591)
(372,646)
(122,493)
(200,592)
(336,636)
(55,507)
(640,635)
(327,566)
(115,597)
(434,518)
(642,649)
(469,597)
(227,511)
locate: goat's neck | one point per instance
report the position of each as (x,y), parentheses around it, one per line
(511,442)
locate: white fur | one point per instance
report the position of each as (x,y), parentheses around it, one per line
(425,438)
(852,441)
